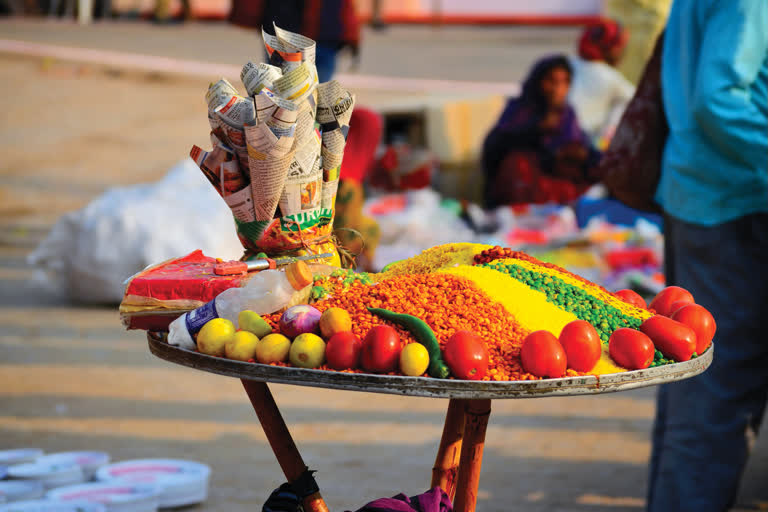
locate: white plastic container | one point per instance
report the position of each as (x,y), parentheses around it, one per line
(89,461)
(266,292)
(182,482)
(19,456)
(115,496)
(17,490)
(52,506)
(50,475)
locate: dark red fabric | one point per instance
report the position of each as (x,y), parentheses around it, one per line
(520,180)
(365,130)
(631,165)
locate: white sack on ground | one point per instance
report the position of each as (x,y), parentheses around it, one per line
(90,252)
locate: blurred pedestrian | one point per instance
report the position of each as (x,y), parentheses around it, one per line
(644,21)
(537,152)
(599,92)
(714,192)
(365,132)
(332,24)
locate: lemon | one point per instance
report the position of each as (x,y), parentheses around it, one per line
(214,335)
(242,346)
(414,360)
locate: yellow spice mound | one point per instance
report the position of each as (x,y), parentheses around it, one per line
(432,259)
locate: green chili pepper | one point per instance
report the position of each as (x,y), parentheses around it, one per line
(423,334)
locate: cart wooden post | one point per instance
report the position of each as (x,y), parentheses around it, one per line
(476,414)
(446,469)
(280,439)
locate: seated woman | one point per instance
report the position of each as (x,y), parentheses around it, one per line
(537,152)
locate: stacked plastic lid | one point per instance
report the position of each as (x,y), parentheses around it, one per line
(181,482)
(130,486)
(15,490)
(60,469)
(115,496)
(19,456)
(52,506)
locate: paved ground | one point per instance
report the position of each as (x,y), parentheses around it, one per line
(72,378)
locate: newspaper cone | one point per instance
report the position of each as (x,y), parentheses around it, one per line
(334,110)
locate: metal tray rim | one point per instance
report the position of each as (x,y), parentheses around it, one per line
(428,387)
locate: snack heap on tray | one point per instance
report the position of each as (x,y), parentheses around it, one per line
(468,311)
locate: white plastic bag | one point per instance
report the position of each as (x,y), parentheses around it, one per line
(90,252)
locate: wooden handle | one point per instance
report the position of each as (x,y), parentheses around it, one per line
(280,439)
(476,414)
(446,469)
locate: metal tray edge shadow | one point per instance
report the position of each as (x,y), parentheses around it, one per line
(428,387)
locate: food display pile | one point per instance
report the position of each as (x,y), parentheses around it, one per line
(467,311)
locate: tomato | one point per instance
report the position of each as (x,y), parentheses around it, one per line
(673,339)
(581,344)
(701,321)
(542,355)
(466,356)
(662,302)
(631,349)
(632,297)
(677,305)
(381,349)
(343,351)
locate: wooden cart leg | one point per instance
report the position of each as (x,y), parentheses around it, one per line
(280,439)
(446,469)
(476,421)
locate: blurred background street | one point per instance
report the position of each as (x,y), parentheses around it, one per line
(76,123)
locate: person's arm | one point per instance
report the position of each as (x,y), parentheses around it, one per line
(733,50)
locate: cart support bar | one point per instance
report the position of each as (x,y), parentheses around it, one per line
(280,439)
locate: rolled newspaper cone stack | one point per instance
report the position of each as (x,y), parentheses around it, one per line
(275,170)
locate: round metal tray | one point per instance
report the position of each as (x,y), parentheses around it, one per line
(428,387)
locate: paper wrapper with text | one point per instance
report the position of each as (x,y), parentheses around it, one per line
(334,110)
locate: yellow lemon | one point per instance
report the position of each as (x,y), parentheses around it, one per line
(335,320)
(214,335)
(242,346)
(414,360)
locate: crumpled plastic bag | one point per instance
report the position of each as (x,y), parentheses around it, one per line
(89,253)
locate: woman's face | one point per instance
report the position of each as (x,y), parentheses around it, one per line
(554,86)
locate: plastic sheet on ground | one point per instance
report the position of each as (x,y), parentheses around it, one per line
(90,252)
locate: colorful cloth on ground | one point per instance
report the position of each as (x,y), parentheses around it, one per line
(434,500)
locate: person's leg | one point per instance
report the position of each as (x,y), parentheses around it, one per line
(704,424)
(325,60)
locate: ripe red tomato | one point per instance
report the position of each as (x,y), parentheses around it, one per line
(677,305)
(632,297)
(542,355)
(581,344)
(343,351)
(381,349)
(674,339)
(466,355)
(662,302)
(701,321)
(631,349)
